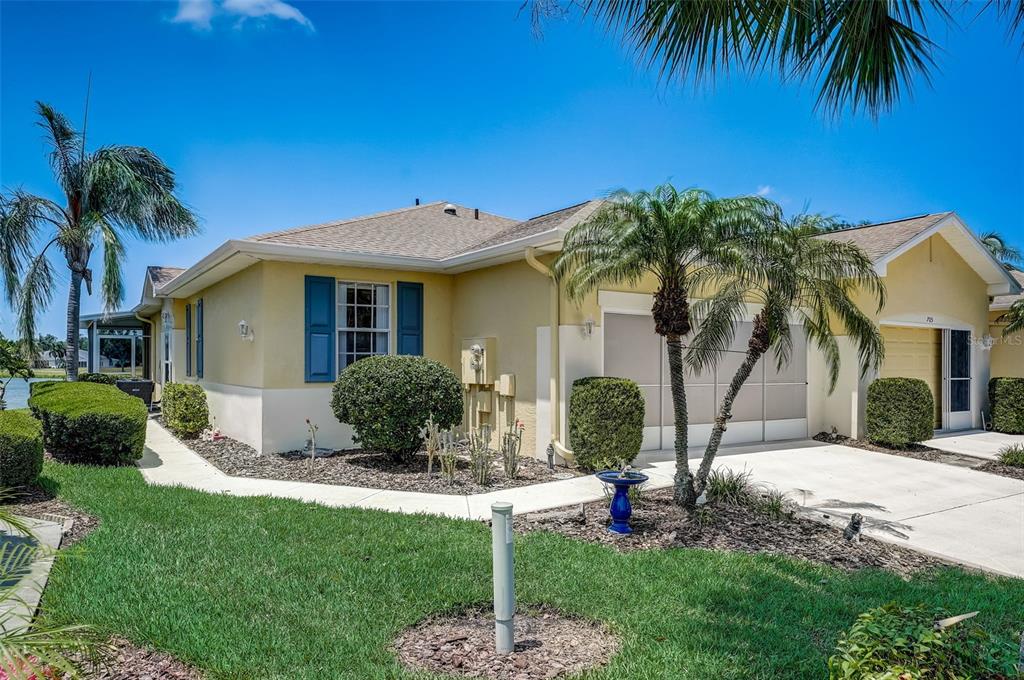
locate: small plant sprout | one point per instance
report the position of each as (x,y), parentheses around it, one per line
(312,427)
(448,455)
(431,436)
(480,454)
(511,445)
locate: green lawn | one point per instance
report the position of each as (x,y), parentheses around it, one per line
(261,588)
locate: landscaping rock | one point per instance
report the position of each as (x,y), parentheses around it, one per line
(548,645)
(355,467)
(659,523)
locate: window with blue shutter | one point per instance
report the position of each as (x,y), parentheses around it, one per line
(199,338)
(188,340)
(320,329)
(410,318)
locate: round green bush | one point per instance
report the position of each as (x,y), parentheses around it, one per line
(606,422)
(183,406)
(101,378)
(900,411)
(895,641)
(1006,400)
(90,423)
(21,448)
(387,399)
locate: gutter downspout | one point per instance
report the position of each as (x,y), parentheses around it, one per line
(555,447)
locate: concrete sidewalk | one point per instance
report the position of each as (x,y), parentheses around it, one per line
(960,514)
(977,443)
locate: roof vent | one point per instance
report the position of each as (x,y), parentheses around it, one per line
(449,209)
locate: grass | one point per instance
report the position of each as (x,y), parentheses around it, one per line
(1012,454)
(273,588)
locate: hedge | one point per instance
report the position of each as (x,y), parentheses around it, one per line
(184,409)
(21,448)
(101,378)
(90,423)
(1006,399)
(900,411)
(606,422)
(387,399)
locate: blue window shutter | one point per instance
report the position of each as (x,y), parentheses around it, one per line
(320,328)
(410,318)
(188,340)
(199,338)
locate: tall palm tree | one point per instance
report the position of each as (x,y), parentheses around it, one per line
(864,55)
(800,280)
(1002,249)
(689,241)
(108,194)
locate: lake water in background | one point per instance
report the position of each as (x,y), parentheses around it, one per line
(17,392)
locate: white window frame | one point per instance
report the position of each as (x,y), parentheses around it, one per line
(341,318)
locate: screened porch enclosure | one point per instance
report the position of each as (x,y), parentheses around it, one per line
(118,345)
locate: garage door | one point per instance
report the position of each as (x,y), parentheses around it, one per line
(772,405)
(915,353)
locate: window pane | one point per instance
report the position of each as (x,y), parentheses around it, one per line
(364,296)
(381,298)
(960,395)
(380,343)
(343,342)
(380,317)
(350,294)
(960,354)
(350,317)
(364,317)
(363,342)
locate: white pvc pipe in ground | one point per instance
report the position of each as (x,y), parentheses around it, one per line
(504,584)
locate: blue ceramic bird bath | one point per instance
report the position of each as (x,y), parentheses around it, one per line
(620,509)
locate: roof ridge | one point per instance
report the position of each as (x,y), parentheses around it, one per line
(552,212)
(334,223)
(901,219)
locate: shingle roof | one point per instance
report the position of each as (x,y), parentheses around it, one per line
(1007,300)
(425,231)
(158,276)
(537,225)
(878,240)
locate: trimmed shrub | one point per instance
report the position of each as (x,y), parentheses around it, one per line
(1012,455)
(900,411)
(184,409)
(1006,399)
(90,423)
(894,641)
(606,422)
(101,378)
(21,448)
(387,399)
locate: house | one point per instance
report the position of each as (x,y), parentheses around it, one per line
(1008,352)
(265,323)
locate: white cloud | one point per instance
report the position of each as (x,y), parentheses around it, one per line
(765,189)
(200,13)
(195,12)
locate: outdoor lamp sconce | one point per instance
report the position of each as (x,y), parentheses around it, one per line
(477,360)
(588,326)
(245,331)
(986,342)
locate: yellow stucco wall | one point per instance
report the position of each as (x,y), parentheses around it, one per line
(228,359)
(507,302)
(1008,352)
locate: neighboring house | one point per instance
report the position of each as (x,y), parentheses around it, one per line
(1008,352)
(264,324)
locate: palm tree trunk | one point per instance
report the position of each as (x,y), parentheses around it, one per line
(74,312)
(683,490)
(756,348)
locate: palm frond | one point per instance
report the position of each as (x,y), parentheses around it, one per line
(22,218)
(1001,248)
(65,144)
(112,286)
(1014,318)
(34,295)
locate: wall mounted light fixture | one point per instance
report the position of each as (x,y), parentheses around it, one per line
(245,331)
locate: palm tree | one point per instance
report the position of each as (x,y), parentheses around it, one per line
(860,54)
(801,279)
(1001,249)
(1014,318)
(108,194)
(689,241)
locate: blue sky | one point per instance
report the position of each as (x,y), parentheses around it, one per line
(277,115)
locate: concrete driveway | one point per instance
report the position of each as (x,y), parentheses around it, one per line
(977,443)
(961,514)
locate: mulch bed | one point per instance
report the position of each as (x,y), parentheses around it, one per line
(38,503)
(355,467)
(658,523)
(127,661)
(547,645)
(921,452)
